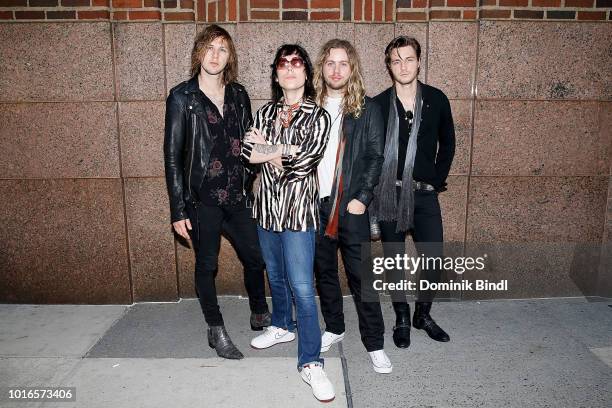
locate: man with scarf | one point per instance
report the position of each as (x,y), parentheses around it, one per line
(347,175)
(419,150)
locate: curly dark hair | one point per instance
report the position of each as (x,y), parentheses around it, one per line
(283,51)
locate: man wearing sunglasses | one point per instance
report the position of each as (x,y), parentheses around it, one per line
(210,188)
(289,138)
(347,175)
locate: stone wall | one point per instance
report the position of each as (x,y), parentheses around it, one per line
(83,208)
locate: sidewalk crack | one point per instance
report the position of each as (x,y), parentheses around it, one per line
(345,374)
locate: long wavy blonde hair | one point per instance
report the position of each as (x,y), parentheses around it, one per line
(355,93)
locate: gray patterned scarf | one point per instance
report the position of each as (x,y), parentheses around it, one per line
(386,207)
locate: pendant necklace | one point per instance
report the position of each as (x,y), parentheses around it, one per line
(286,113)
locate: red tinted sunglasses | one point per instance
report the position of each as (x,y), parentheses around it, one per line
(284,63)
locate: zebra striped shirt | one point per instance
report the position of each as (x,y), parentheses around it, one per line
(288,198)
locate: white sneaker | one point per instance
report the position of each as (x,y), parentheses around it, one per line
(328,339)
(322,388)
(273,335)
(380,361)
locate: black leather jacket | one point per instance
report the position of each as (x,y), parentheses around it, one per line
(188,143)
(363,154)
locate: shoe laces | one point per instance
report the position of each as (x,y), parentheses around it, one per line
(316,372)
(380,356)
(271,330)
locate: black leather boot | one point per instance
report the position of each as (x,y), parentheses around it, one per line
(401,330)
(423,321)
(221,342)
(260,320)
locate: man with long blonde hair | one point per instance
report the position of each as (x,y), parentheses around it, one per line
(348,173)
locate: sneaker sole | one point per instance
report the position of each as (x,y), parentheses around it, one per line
(320,400)
(272,345)
(338,340)
(383,370)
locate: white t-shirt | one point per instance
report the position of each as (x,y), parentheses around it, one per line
(327,166)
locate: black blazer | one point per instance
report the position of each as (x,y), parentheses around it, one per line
(436,138)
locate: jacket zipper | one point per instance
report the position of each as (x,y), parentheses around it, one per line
(244,166)
(243,130)
(193,123)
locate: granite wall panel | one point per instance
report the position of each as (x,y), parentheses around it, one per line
(58,140)
(63,241)
(56,62)
(534,171)
(152,255)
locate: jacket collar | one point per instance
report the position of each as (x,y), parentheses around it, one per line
(194,86)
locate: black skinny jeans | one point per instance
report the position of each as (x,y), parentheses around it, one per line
(427,235)
(353,230)
(209,222)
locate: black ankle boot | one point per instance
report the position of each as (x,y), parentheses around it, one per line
(422,320)
(221,342)
(260,320)
(401,330)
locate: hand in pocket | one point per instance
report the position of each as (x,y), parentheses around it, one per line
(356,207)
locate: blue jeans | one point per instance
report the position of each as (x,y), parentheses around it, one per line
(289,258)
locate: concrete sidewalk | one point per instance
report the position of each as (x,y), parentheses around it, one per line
(534,353)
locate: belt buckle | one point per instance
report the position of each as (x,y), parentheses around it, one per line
(420,185)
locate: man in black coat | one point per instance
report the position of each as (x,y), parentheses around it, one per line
(419,150)
(347,175)
(209,187)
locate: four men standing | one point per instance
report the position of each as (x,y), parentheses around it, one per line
(333,161)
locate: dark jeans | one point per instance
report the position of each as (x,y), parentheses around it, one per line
(353,230)
(208,223)
(427,235)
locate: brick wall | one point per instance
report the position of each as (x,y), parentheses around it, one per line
(300,10)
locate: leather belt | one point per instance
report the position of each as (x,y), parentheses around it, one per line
(417,185)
